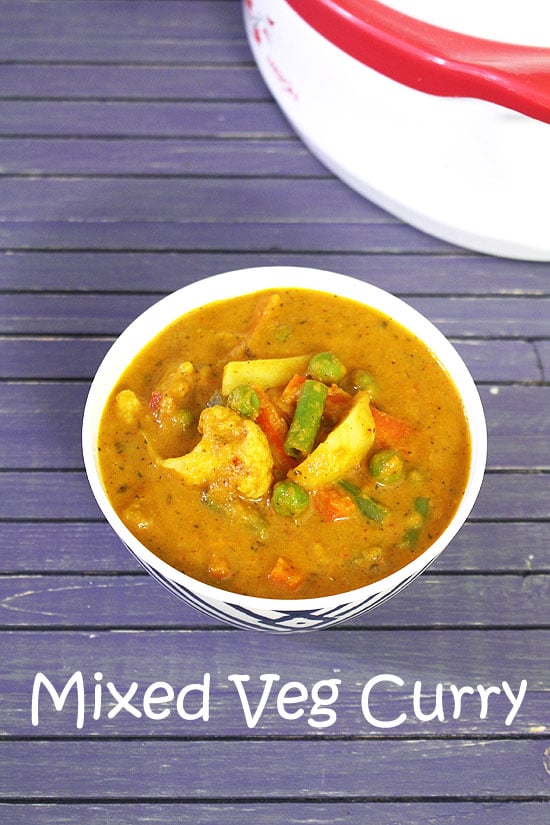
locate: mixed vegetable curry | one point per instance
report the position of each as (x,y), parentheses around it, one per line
(285,445)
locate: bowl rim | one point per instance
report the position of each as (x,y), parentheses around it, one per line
(146,326)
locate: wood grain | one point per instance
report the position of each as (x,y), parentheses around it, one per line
(299,813)
(140,150)
(362,769)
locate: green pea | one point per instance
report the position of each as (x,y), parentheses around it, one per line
(289,499)
(364,381)
(386,466)
(326,367)
(185,419)
(244,400)
(283,331)
(415,477)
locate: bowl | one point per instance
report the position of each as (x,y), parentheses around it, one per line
(266,614)
(437,112)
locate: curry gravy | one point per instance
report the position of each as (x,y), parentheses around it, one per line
(213,533)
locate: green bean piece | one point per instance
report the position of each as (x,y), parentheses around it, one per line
(364,381)
(411,536)
(386,466)
(326,367)
(289,499)
(211,503)
(307,418)
(253,521)
(239,513)
(371,509)
(422,506)
(245,400)
(366,505)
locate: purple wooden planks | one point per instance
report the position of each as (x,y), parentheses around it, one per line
(509,496)
(95,49)
(85,18)
(163,272)
(203,200)
(500,361)
(43,495)
(53,547)
(543,351)
(184,657)
(139,119)
(40,424)
(70,314)
(82,31)
(527,317)
(49,770)
(218,237)
(51,358)
(298,813)
(120,82)
(82,156)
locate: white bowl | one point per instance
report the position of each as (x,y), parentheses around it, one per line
(448,130)
(281,616)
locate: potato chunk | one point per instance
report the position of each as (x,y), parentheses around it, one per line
(262,372)
(343,448)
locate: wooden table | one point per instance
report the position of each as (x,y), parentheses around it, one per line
(140,151)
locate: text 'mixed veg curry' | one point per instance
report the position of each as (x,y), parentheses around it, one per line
(285,445)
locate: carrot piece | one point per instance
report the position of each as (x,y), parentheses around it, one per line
(289,396)
(390,431)
(218,567)
(286,574)
(155,400)
(275,429)
(333,504)
(338,403)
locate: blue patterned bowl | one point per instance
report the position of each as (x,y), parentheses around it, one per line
(289,615)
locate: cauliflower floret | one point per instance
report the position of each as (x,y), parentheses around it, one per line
(169,393)
(177,382)
(232,450)
(135,517)
(128,406)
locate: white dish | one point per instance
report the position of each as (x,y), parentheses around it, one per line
(465,169)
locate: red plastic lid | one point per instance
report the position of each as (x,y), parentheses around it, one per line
(433,59)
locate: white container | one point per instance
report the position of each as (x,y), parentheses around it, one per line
(278,615)
(446,130)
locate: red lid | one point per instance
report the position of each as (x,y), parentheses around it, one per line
(433,59)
